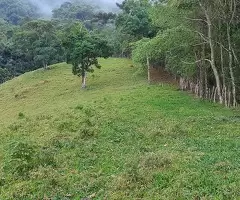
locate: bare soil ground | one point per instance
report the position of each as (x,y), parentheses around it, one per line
(160,75)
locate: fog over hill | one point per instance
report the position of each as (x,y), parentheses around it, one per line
(46,6)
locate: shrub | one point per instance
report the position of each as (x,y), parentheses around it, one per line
(21,115)
(22,157)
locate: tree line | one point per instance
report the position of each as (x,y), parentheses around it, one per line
(197,41)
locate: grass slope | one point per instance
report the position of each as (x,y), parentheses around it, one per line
(119,139)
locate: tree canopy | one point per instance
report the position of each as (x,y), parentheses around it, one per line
(83,50)
(14,11)
(196,41)
(74,10)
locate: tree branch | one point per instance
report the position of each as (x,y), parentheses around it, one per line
(222,46)
(196,19)
(200,44)
(197,61)
(202,36)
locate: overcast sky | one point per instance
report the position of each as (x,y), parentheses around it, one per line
(46,6)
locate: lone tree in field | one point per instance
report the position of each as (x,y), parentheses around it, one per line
(83,50)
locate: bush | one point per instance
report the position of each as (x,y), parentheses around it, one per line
(22,157)
(21,115)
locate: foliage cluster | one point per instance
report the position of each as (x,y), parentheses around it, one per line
(197,42)
(15,11)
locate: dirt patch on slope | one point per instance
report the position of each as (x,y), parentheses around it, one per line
(160,75)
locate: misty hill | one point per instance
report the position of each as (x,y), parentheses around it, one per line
(45,7)
(14,11)
(119,139)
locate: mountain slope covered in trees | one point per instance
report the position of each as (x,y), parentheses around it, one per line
(118,139)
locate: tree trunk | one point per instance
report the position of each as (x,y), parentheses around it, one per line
(201,77)
(45,66)
(231,65)
(213,61)
(84,80)
(223,76)
(205,76)
(148,66)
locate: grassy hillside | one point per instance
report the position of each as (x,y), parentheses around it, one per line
(119,139)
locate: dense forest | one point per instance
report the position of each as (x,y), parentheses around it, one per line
(197,41)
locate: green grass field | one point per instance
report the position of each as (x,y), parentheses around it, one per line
(119,139)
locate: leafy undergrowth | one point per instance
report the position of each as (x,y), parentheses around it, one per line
(119,139)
